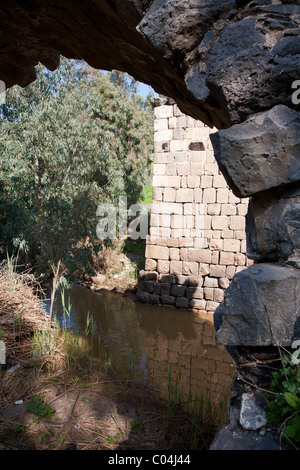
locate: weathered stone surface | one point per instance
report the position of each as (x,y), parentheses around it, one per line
(273,226)
(252,416)
(230,438)
(261,153)
(261,307)
(220,61)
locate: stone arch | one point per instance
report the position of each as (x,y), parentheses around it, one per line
(233,64)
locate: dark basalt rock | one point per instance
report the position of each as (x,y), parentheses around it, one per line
(220,61)
(261,307)
(273,226)
(261,153)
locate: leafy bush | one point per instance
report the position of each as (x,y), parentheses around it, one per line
(284,408)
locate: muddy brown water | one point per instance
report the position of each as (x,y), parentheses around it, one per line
(158,346)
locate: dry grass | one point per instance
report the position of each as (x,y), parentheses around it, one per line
(93,409)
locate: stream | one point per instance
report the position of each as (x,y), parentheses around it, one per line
(151,344)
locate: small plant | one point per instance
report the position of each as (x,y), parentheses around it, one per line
(135,424)
(42,410)
(85,399)
(284,407)
(18,427)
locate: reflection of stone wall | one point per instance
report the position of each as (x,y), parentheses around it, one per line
(205,368)
(197,236)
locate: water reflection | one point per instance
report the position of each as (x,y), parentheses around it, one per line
(153,343)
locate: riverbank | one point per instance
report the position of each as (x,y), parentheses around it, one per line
(54,395)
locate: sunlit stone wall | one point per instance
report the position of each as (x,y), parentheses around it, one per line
(197,238)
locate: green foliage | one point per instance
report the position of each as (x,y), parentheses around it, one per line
(284,408)
(147,199)
(42,410)
(68,142)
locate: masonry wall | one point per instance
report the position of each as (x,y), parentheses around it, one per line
(197,238)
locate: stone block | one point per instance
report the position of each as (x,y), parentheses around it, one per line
(184,195)
(150,264)
(261,307)
(168,299)
(228,209)
(189,268)
(195,281)
(199,255)
(237,222)
(218,295)
(182,302)
(222,195)
(148,276)
(194,292)
(159,168)
(198,304)
(209,195)
(214,209)
(219,222)
(260,153)
(164,111)
(231,245)
(163,266)
(175,267)
(208,293)
(206,181)
(174,254)
(227,258)
(219,181)
(165,288)
(154,299)
(157,252)
(210,281)
(211,305)
(273,229)
(167,278)
(161,124)
(142,296)
(193,181)
(178,290)
(166,181)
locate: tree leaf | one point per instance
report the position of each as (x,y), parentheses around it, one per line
(291,399)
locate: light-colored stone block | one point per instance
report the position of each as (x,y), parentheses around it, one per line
(232,245)
(163,266)
(193,181)
(217,270)
(169,195)
(164,135)
(164,181)
(237,222)
(227,258)
(184,195)
(176,267)
(165,111)
(209,195)
(219,222)
(189,268)
(157,252)
(199,255)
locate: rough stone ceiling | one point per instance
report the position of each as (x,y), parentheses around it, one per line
(221,61)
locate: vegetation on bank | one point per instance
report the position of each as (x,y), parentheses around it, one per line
(55,394)
(74,139)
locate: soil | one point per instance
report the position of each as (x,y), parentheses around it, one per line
(93,411)
(56,401)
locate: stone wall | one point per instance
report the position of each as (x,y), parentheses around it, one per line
(197,240)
